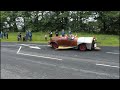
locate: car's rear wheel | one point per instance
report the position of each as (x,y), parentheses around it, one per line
(82,47)
(54,45)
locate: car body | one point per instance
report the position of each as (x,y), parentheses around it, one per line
(81,43)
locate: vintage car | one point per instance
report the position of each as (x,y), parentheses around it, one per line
(81,43)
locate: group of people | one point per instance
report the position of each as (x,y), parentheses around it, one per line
(4,34)
(26,37)
(63,34)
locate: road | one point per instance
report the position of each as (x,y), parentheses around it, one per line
(40,61)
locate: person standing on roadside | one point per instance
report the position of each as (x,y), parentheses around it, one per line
(27,35)
(30,35)
(63,33)
(1,35)
(19,36)
(50,34)
(6,34)
(56,33)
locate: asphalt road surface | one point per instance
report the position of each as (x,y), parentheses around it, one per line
(40,61)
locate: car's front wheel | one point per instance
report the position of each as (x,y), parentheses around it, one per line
(82,47)
(54,45)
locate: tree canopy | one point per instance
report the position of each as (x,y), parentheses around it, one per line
(107,22)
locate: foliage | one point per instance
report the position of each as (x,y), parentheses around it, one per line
(107,22)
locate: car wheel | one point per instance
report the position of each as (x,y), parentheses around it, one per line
(54,45)
(82,47)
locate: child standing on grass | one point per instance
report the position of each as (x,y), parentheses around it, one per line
(24,39)
(19,37)
(50,34)
(46,37)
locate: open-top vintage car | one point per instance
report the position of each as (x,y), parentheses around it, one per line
(81,43)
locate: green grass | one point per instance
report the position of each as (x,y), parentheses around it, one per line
(38,37)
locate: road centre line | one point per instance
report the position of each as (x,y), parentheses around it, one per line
(112,52)
(35,47)
(38,56)
(35,55)
(88,71)
(24,44)
(33,44)
(85,71)
(69,68)
(107,65)
(7,45)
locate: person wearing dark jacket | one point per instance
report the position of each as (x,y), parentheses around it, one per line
(6,34)
(30,35)
(19,37)
(27,35)
(50,34)
(56,33)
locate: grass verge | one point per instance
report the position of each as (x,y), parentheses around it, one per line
(38,37)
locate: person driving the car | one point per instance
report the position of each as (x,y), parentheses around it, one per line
(71,37)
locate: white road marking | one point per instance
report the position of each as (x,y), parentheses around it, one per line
(19,49)
(43,45)
(24,44)
(87,71)
(112,52)
(35,55)
(39,56)
(35,47)
(7,45)
(33,44)
(105,74)
(108,65)
(64,67)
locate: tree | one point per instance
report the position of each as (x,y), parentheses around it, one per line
(86,21)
